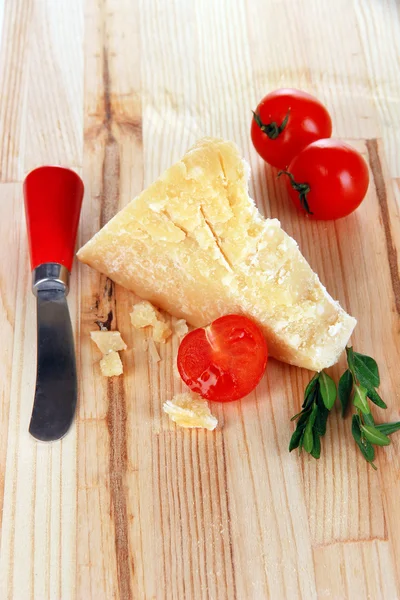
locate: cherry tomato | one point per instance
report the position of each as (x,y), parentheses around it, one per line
(328,179)
(224,361)
(285,122)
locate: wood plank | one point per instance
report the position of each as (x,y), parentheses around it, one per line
(381,22)
(112,172)
(14,65)
(54,87)
(10,227)
(177,126)
(347,476)
(40,480)
(219,108)
(358,570)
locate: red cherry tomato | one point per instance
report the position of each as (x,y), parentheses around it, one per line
(224,361)
(328,179)
(285,122)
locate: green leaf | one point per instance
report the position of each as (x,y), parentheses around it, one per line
(366,369)
(369,420)
(327,389)
(350,360)
(301,441)
(310,398)
(313,416)
(295,439)
(375,436)
(365,446)
(321,419)
(388,428)
(355,424)
(344,389)
(296,416)
(302,422)
(360,399)
(308,433)
(310,387)
(316,449)
(375,398)
(308,440)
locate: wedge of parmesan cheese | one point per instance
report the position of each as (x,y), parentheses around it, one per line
(190,410)
(108,341)
(144,314)
(194,244)
(111,364)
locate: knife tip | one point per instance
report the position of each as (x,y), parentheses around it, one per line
(48,433)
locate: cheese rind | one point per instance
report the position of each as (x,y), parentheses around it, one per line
(194,244)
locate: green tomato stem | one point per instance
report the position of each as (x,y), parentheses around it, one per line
(301,188)
(272,130)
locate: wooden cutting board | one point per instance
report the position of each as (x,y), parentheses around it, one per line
(127,506)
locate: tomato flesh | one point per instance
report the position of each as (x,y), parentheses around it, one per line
(308,120)
(337,178)
(224,361)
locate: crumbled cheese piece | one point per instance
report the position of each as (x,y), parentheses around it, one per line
(181,328)
(144,314)
(161,331)
(108,341)
(190,410)
(111,364)
(194,243)
(153,351)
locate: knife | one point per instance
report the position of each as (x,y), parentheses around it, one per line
(53,198)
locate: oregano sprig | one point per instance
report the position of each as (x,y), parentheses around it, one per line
(358,384)
(319,398)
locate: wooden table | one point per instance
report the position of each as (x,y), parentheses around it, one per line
(127,506)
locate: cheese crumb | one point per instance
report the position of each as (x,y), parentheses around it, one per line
(111,364)
(161,331)
(181,327)
(190,410)
(108,341)
(144,314)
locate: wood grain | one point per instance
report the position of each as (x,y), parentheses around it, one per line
(128,506)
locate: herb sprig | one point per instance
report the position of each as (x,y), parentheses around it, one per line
(319,397)
(357,386)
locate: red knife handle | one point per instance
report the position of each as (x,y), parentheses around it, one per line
(53,200)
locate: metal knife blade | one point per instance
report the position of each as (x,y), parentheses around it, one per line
(56,380)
